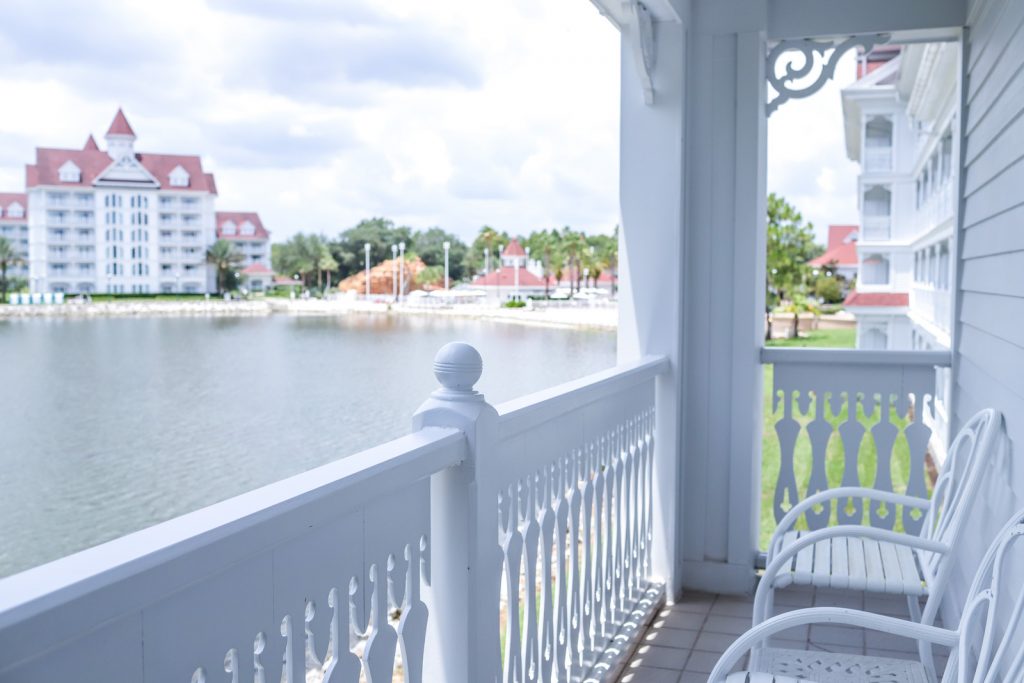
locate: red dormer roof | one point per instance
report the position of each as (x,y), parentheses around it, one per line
(514,249)
(842,247)
(870,299)
(239,217)
(90,145)
(120,126)
(8,198)
(506,277)
(257,269)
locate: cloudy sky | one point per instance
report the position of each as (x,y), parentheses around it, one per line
(318,113)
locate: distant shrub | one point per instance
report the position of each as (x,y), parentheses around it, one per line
(515,304)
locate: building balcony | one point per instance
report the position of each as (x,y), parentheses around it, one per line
(877,159)
(931,305)
(876,228)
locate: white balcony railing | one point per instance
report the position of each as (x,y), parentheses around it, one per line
(877,159)
(534,518)
(932,305)
(876,228)
(851,399)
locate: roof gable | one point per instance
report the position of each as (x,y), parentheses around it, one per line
(69,172)
(126,171)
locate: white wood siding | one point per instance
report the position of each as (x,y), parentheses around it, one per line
(989,353)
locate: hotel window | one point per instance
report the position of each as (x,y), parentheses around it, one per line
(229,228)
(248,228)
(15,210)
(179,177)
(69,173)
(875,270)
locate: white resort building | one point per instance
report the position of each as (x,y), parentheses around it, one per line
(122,221)
(245,230)
(14,229)
(900,118)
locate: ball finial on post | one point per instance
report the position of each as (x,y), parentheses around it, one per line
(458,366)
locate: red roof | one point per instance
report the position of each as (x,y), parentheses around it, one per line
(239,217)
(119,126)
(210,183)
(898,299)
(285,280)
(506,277)
(257,269)
(514,249)
(46,170)
(842,247)
(90,144)
(8,198)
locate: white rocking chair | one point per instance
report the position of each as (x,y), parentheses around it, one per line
(868,559)
(985,647)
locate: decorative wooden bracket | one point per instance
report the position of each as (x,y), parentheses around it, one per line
(807,48)
(643,46)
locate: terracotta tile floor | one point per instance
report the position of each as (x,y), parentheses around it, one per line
(685,640)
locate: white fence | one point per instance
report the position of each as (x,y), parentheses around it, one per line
(488,545)
(849,398)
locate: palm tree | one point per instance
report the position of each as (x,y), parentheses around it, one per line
(225,258)
(9,258)
(325,264)
(546,245)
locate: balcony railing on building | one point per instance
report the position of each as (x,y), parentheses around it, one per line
(877,159)
(876,228)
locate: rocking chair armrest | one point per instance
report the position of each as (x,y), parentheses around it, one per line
(828,615)
(793,515)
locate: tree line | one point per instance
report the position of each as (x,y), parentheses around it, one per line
(564,253)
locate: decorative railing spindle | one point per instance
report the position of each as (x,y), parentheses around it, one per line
(886,395)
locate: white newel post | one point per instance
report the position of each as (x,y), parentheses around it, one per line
(465,560)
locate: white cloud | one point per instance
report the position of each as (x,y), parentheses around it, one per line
(318,113)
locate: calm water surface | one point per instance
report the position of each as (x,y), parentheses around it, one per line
(111,425)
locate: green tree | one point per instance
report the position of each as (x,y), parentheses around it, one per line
(574,244)
(325,265)
(225,258)
(790,246)
(545,246)
(828,288)
(300,255)
(380,233)
(9,258)
(487,238)
(429,246)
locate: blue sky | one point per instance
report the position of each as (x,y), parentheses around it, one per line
(317,113)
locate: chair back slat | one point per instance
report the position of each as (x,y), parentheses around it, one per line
(958,483)
(992,626)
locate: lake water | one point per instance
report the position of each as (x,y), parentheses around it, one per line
(111,425)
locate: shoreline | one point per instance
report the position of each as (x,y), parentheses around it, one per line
(581,317)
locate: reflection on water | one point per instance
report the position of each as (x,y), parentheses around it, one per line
(111,425)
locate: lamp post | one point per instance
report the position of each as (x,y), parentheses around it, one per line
(401,270)
(501,266)
(447,246)
(518,262)
(366,248)
(394,273)
(487,260)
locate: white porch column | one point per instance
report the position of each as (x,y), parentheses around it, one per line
(650,260)
(723,292)
(692,250)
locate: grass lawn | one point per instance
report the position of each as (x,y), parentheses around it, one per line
(834,458)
